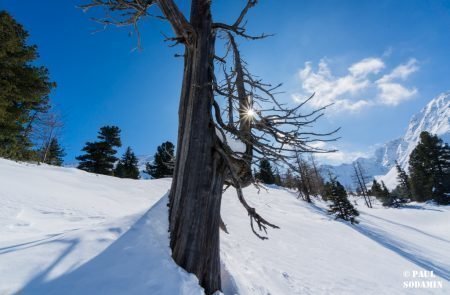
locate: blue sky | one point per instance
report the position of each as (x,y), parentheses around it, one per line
(379,61)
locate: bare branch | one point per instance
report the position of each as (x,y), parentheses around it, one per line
(129,12)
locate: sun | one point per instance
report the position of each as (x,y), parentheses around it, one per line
(250,113)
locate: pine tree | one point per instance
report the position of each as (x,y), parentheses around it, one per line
(429,166)
(340,206)
(53,153)
(163,161)
(127,166)
(376,189)
(381,192)
(265,173)
(404,187)
(387,199)
(24,89)
(99,156)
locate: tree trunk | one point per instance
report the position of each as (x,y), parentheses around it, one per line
(196,191)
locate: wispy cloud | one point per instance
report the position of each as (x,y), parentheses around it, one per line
(391,91)
(363,85)
(342,155)
(366,66)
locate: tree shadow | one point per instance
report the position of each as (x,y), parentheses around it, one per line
(407,227)
(418,207)
(26,245)
(31,244)
(138,262)
(397,247)
(39,279)
(383,239)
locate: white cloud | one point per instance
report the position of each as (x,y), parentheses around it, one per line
(401,72)
(340,157)
(392,92)
(367,66)
(359,88)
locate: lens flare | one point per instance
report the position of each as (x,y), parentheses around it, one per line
(250,113)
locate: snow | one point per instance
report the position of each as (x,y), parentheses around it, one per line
(65,231)
(234,144)
(390,178)
(314,254)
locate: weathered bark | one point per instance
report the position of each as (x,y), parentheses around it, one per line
(196,192)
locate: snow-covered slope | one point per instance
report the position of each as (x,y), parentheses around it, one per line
(65,231)
(434,118)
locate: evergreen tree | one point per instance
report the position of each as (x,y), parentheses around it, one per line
(99,156)
(385,190)
(265,173)
(340,206)
(404,188)
(376,189)
(127,166)
(429,166)
(380,192)
(53,153)
(163,161)
(24,89)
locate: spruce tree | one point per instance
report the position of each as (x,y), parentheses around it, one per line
(429,166)
(340,206)
(163,161)
(24,89)
(265,173)
(99,156)
(389,199)
(127,166)
(404,187)
(376,189)
(53,153)
(381,192)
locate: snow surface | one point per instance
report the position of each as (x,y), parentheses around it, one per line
(236,145)
(65,231)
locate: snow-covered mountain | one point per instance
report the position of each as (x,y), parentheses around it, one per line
(142,161)
(434,118)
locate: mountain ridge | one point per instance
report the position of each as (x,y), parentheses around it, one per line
(434,118)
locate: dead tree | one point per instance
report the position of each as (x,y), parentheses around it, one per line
(42,130)
(318,181)
(228,120)
(360,181)
(304,182)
